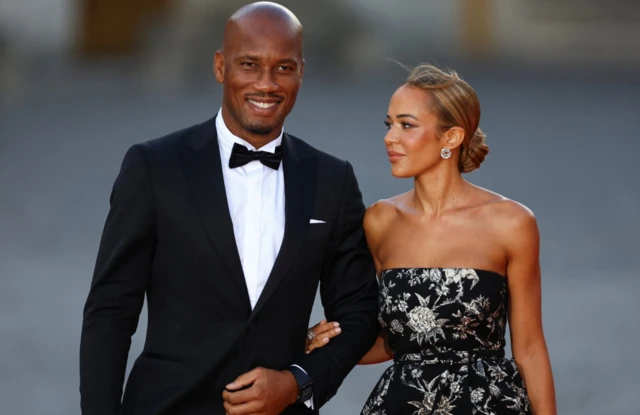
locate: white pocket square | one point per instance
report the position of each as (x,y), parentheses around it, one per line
(316,221)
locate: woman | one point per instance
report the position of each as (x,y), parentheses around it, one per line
(454,261)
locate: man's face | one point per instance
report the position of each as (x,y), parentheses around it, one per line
(261,68)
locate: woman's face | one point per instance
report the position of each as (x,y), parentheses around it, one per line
(412,142)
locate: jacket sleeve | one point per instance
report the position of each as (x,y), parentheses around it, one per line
(348,290)
(121,276)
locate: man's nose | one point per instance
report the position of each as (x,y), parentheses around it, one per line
(267,82)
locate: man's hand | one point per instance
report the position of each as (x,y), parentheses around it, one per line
(268,392)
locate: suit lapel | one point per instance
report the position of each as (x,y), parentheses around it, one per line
(300,190)
(203,169)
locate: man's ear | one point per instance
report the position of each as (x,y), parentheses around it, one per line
(218,66)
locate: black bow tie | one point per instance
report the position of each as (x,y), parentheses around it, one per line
(240,155)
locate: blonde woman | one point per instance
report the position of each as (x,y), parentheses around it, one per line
(455,262)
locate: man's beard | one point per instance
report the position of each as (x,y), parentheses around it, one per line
(258,129)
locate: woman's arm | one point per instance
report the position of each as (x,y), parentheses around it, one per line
(525,315)
(376,219)
(379,353)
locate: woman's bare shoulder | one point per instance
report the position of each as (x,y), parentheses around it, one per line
(382,213)
(510,217)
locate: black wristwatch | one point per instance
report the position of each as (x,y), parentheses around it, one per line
(305,384)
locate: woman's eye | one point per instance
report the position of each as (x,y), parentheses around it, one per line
(406,125)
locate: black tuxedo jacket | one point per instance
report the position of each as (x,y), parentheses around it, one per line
(169,235)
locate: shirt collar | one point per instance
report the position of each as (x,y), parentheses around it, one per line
(227,139)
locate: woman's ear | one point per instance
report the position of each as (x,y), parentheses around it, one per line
(453,138)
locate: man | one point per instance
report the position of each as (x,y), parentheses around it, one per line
(228,227)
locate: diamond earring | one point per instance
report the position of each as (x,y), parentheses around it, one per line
(445,153)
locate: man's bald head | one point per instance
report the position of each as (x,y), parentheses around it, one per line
(264,18)
(261,67)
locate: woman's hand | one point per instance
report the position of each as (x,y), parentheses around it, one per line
(320,334)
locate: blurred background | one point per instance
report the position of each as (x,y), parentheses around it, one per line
(559,83)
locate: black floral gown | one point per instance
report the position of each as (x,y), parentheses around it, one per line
(446,327)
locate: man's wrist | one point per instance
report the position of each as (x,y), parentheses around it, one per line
(304,384)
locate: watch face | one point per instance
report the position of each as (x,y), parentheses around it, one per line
(305,385)
(306,393)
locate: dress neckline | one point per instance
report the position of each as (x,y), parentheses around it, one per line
(484,271)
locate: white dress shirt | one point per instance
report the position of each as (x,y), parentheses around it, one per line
(255,194)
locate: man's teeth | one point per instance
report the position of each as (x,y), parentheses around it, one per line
(262,104)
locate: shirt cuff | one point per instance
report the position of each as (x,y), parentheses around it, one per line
(308,403)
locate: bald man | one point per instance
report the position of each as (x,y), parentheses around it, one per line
(228,227)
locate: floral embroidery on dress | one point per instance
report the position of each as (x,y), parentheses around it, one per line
(446,327)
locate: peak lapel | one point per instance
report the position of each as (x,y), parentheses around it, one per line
(300,189)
